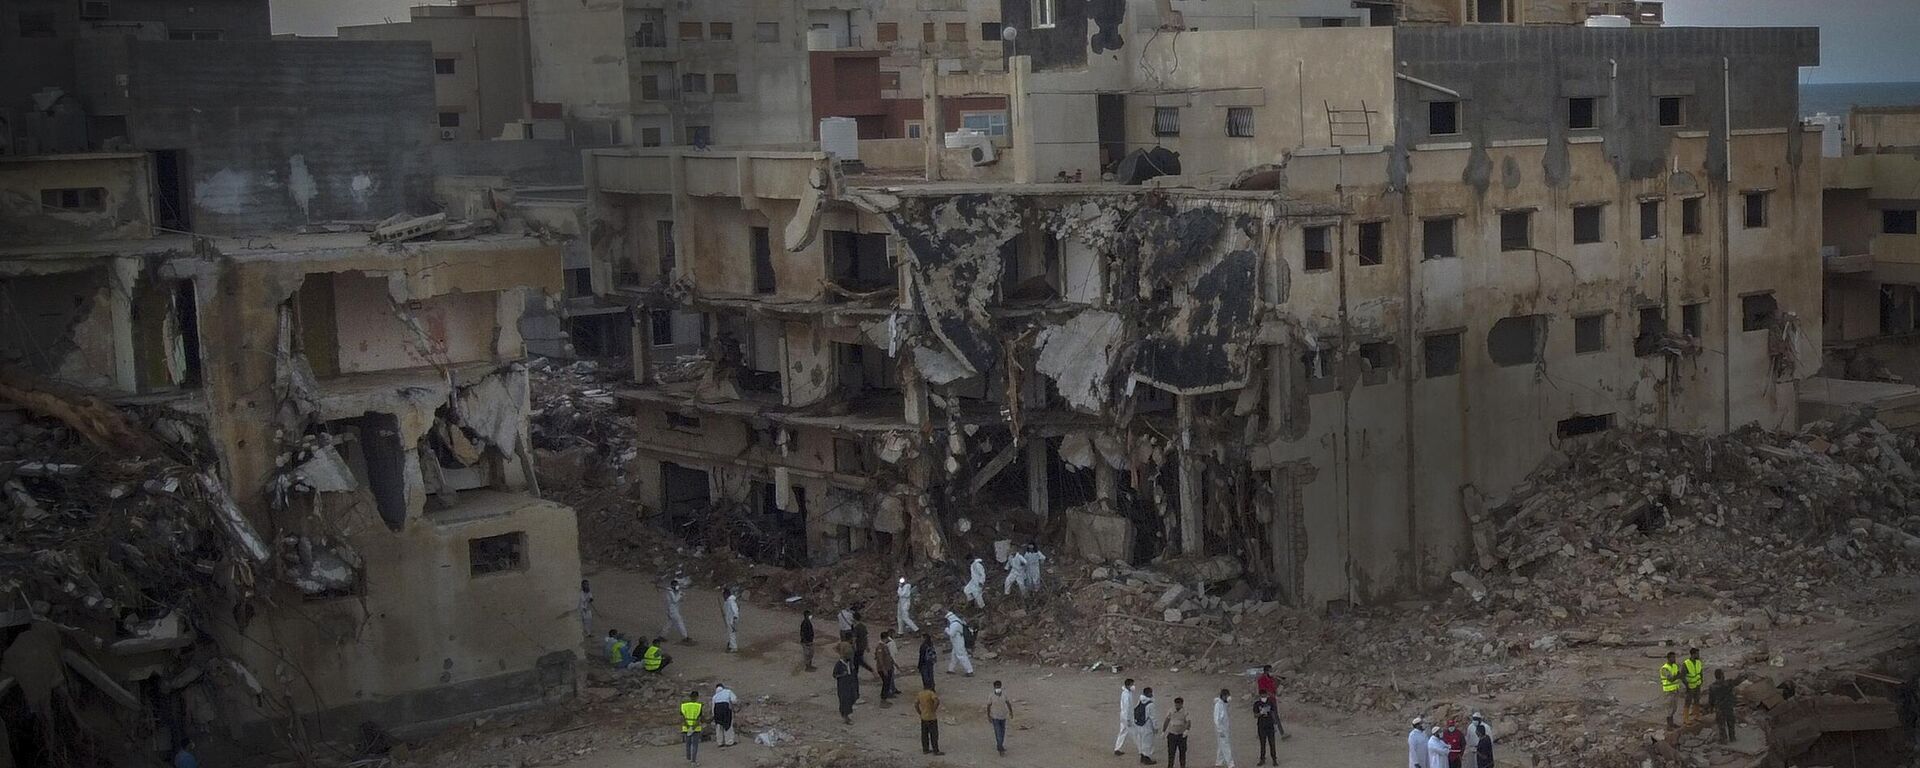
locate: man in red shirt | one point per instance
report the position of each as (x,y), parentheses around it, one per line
(1456,743)
(1267,683)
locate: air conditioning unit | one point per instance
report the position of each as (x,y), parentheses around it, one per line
(981,152)
(449,134)
(95,9)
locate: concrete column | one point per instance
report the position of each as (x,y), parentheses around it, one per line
(1192,541)
(641,339)
(913,390)
(1019,118)
(931,131)
(1037,478)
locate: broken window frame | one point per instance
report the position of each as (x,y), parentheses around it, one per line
(1650,228)
(1590,333)
(1581,424)
(1166,121)
(1650,325)
(1899,221)
(1756,208)
(1443,113)
(1452,239)
(74,199)
(1693,319)
(1690,215)
(1441,353)
(1535,324)
(1516,229)
(1240,122)
(1314,259)
(1758,311)
(1583,113)
(1679,104)
(497,554)
(1589,223)
(765,279)
(1370,243)
(1378,360)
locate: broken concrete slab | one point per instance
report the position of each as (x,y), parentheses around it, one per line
(956,249)
(1078,356)
(408,229)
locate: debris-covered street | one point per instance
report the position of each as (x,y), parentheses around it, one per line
(1344,383)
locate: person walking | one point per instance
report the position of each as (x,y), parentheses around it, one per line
(724,706)
(1436,750)
(690,716)
(860,643)
(1145,715)
(1175,725)
(1016,574)
(1456,744)
(676,589)
(846,623)
(846,683)
(975,589)
(929,656)
(1417,744)
(806,640)
(884,666)
(1670,686)
(903,608)
(928,705)
(1721,698)
(1126,717)
(586,608)
(1032,563)
(730,612)
(957,637)
(999,711)
(1264,717)
(1694,678)
(1480,741)
(1222,741)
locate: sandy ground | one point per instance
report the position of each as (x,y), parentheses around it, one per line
(1062,716)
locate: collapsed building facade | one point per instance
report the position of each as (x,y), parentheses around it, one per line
(1394,274)
(266,465)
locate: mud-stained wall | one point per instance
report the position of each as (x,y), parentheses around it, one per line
(79,198)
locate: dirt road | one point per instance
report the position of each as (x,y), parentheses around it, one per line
(1062,716)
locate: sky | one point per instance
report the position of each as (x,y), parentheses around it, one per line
(1860,40)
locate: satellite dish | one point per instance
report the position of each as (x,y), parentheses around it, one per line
(1007,34)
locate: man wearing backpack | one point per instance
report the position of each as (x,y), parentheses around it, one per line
(1145,715)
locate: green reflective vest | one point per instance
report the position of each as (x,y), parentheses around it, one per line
(689,716)
(650,661)
(1695,668)
(1669,678)
(616,651)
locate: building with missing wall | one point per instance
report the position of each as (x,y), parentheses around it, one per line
(1383,276)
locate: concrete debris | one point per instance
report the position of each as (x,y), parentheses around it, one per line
(954,247)
(1078,356)
(400,228)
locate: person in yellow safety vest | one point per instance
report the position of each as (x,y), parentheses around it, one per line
(1670,686)
(652,660)
(617,651)
(1695,678)
(690,725)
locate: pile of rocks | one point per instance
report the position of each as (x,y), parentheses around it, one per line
(1752,519)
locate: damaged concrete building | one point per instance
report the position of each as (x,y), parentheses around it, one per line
(308,448)
(1314,298)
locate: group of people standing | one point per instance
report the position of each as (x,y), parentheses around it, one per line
(1449,747)
(1143,722)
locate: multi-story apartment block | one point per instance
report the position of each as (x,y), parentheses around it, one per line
(1338,291)
(482,75)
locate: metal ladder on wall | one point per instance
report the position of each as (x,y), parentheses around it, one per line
(1349,124)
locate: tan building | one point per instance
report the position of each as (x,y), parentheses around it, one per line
(482,71)
(339,425)
(1872,244)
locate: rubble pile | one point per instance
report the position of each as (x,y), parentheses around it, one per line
(1752,519)
(583,443)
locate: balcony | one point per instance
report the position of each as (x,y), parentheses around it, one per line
(1896,258)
